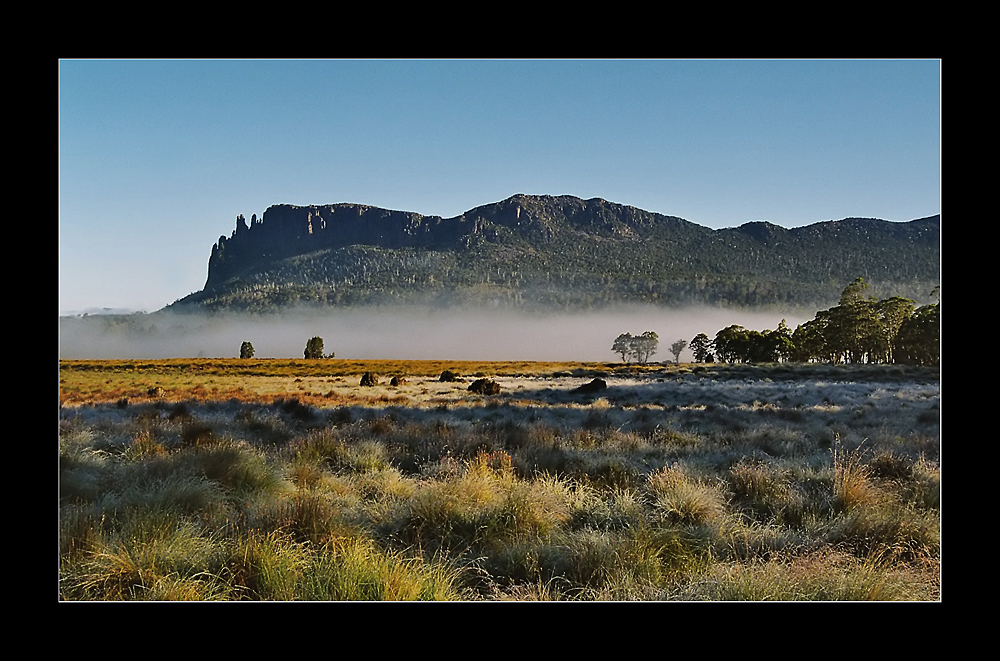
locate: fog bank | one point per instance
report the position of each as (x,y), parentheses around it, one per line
(405,333)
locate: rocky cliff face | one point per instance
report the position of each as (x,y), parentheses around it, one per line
(286,230)
(556,250)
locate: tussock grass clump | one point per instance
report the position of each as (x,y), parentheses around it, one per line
(142,446)
(306,516)
(356,570)
(889,531)
(236,466)
(265,566)
(767,492)
(680,499)
(607,510)
(853,487)
(484,504)
(594,561)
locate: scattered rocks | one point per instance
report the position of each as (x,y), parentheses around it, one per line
(368,379)
(485,387)
(597,385)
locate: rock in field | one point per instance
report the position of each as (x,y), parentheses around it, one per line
(597,385)
(485,387)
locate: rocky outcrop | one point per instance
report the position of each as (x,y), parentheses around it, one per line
(287,230)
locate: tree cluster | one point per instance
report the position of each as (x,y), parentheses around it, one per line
(860,329)
(863,329)
(637,347)
(736,344)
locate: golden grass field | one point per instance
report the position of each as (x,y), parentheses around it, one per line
(328,382)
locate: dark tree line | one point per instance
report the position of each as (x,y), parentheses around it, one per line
(860,329)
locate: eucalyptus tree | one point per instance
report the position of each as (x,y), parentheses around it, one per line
(891,314)
(623,345)
(676,348)
(701,346)
(314,348)
(645,346)
(781,339)
(637,347)
(919,337)
(732,343)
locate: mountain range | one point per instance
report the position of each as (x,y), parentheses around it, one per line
(555,252)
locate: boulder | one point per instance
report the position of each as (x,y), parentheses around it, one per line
(369,379)
(485,387)
(397,381)
(597,385)
(448,375)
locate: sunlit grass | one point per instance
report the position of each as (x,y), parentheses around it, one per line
(665,486)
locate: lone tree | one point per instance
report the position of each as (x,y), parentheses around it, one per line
(702,347)
(246,350)
(623,345)
(314,348)
(645,346)
(676,349)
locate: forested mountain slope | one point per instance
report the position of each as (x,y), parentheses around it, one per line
(561,252)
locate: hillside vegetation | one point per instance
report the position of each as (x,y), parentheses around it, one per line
(555,252)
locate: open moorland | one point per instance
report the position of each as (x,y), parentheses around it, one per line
(267,479)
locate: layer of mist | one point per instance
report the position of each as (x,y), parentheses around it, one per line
(401,333)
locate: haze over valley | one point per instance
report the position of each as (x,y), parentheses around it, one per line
(414,333)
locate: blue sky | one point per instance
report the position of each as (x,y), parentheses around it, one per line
(157,158)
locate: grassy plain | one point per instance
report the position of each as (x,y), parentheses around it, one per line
(288,480)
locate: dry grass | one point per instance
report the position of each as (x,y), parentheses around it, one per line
(274,480)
